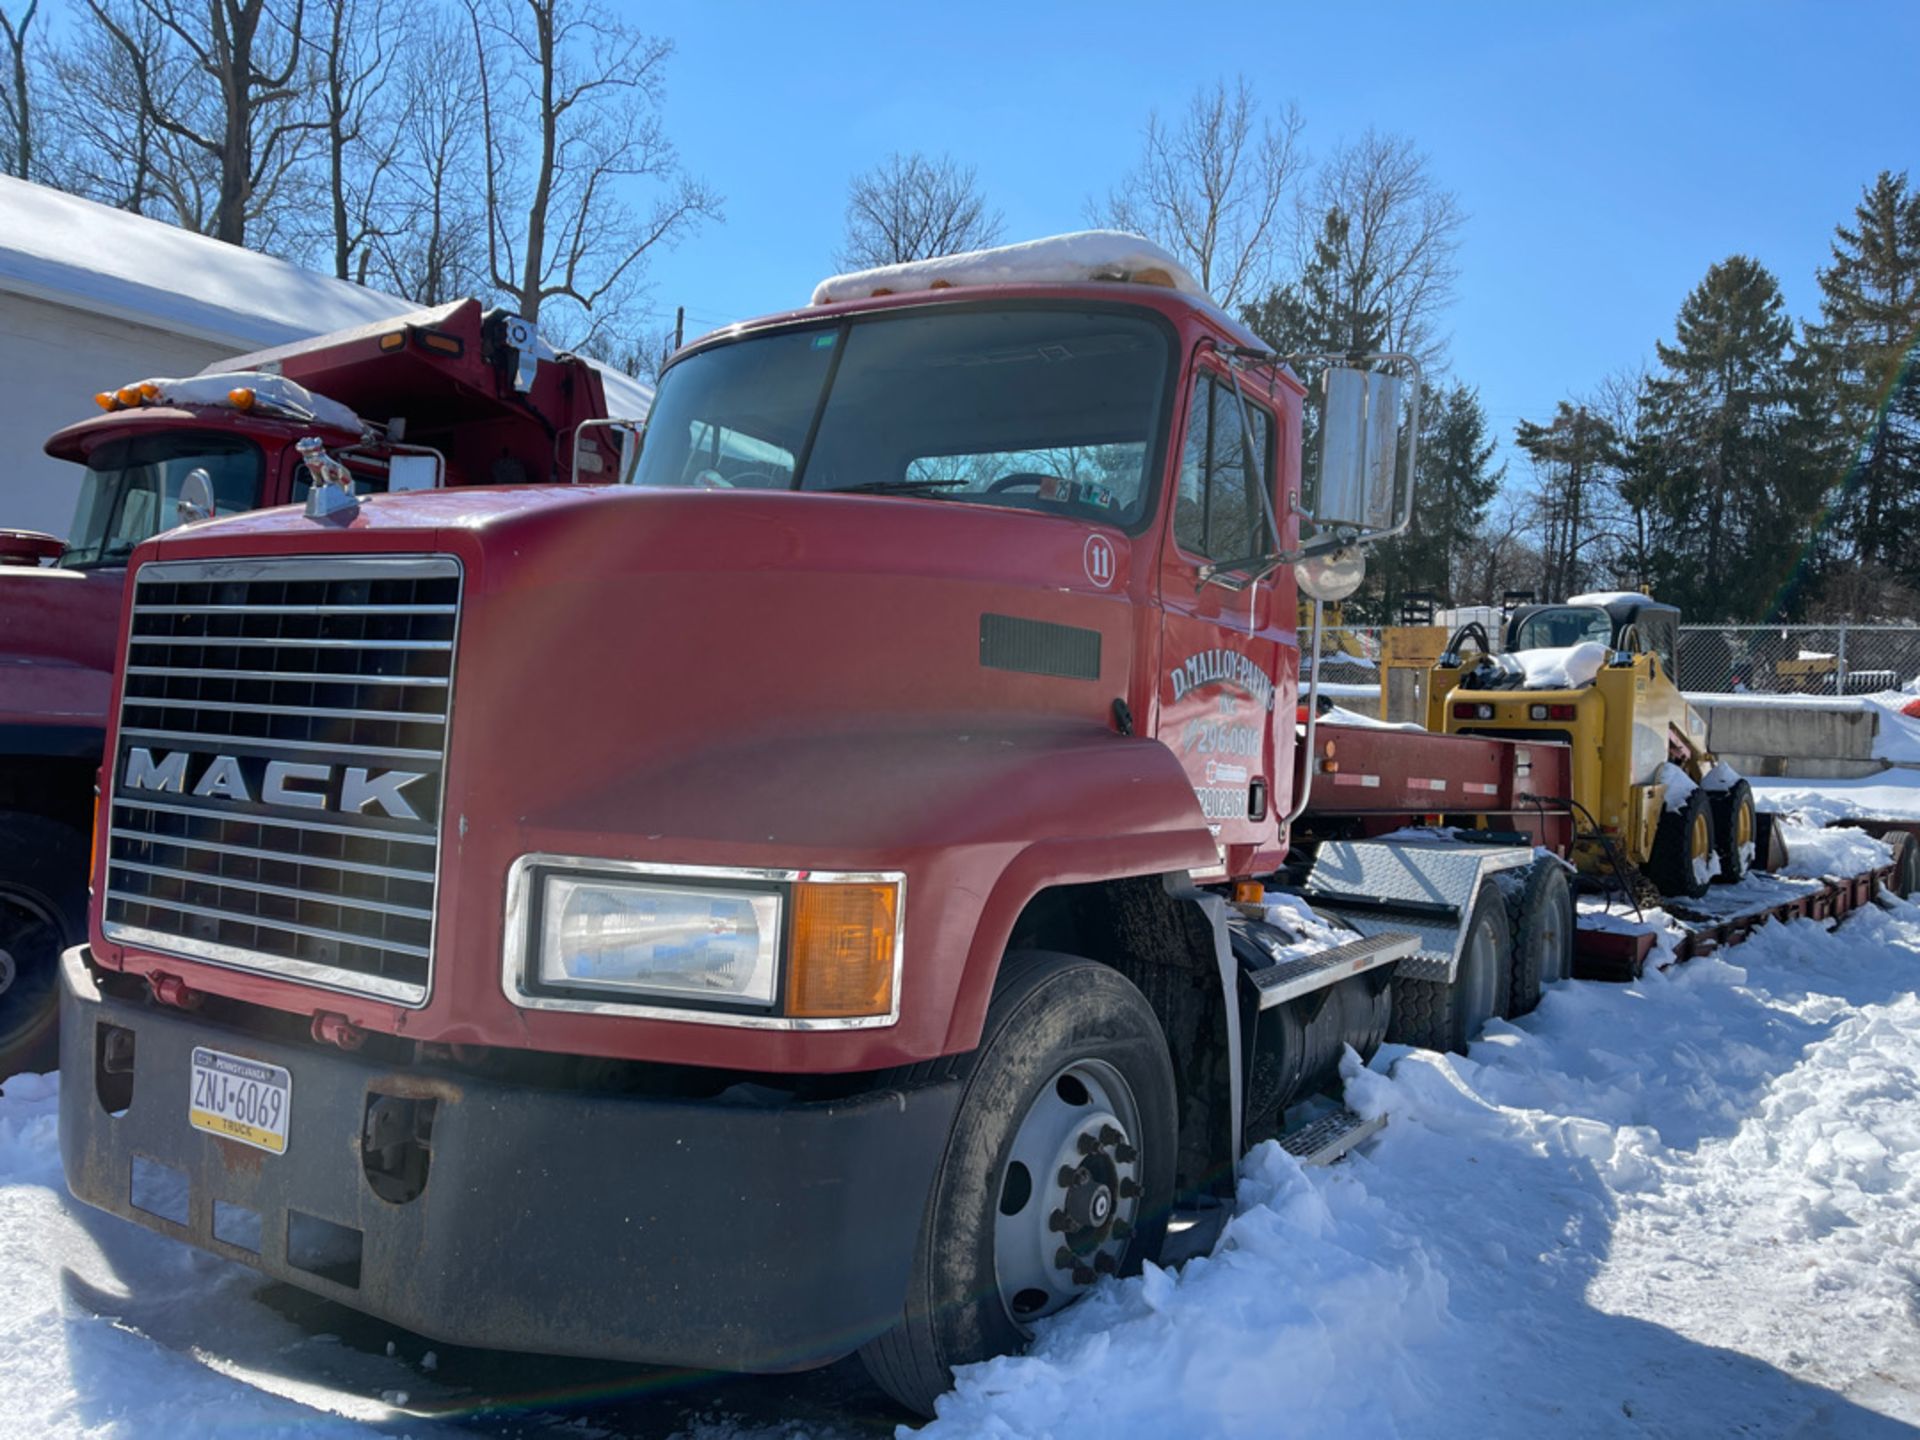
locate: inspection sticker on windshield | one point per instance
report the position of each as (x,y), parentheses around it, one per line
(245,1100)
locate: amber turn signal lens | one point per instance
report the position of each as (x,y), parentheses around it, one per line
(1248,892)
(241,397)
(130,395)
(107,400)
(842,958)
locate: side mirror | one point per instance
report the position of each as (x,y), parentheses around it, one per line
(608,458)
(1360,452)
(196,497)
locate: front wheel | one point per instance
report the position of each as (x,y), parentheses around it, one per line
(1684,853)
(43,909)
(1058,1169)
(1735,829)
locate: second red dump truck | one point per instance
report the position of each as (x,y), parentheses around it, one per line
(451,396)
(802,900)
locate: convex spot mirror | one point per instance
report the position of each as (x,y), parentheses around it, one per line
(196,497)
(1359,450)
(1332,574)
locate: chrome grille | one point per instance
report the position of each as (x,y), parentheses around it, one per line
(278,721)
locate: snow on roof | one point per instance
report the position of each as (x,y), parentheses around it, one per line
(68,251)
(1608,597)
(1058,259)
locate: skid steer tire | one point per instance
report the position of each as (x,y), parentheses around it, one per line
(1906,864)
(1438,1015)
(1681,865)
(1540,914)
(1053,1017)
(1735,831)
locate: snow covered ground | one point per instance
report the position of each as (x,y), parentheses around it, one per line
(1689,1206)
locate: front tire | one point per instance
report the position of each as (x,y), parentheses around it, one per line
(1058,1169)
(43,910)
(1681,865)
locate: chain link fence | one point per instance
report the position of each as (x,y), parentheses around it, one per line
(1798,659)
(1841,659)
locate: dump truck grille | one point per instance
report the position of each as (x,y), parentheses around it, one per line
(276,784)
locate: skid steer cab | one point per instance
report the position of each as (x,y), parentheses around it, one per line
(1596,673)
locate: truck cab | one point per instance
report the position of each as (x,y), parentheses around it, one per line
(800,899)
(444,396)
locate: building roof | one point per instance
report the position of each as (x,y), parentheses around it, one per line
(69,251)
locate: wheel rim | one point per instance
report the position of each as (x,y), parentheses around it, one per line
(30,940)
(1069,1197)
(1700,847)
(1481,979)
(1553,940)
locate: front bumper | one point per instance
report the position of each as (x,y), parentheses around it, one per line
(725,1233)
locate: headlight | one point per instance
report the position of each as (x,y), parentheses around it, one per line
(649,938)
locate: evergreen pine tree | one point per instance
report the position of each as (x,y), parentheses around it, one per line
(1865,367)
(1723,459)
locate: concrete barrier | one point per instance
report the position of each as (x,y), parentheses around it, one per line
(1794,736)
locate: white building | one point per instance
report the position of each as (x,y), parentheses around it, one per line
(92,298)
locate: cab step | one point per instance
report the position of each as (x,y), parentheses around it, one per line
(1325,1140)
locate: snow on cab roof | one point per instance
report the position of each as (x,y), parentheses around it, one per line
(68,251)
(1058,259)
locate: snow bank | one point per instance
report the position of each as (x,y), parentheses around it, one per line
(1678,1207)
(1892,795)
(1570,668)
(1058,259)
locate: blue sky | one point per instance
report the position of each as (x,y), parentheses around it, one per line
(1605,156)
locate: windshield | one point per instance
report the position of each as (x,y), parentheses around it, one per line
(132,485)
(1051,410)
(1562,626)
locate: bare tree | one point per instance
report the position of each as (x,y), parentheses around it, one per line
(245,113)
(1210,187)
(1386,235)
(434,247)
(570,122)
(910,207)
(114,152)
(16,100)
(355,63)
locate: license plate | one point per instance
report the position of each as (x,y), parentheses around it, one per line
(245,1100)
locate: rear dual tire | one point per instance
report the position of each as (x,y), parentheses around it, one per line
(1437,1015)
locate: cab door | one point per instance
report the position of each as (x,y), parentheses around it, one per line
(1223,648)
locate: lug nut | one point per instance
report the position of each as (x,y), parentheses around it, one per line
(1065,1259)
(1103,1262)
(1129,1188)
(1125,1154)
(1082,1275)
(1110,1136)
(1058,1221)
(1067,1178)
(1088,1145)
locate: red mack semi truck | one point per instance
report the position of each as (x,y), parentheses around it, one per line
(454,395)
(807,898)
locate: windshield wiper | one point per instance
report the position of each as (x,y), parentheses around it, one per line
(894,487)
